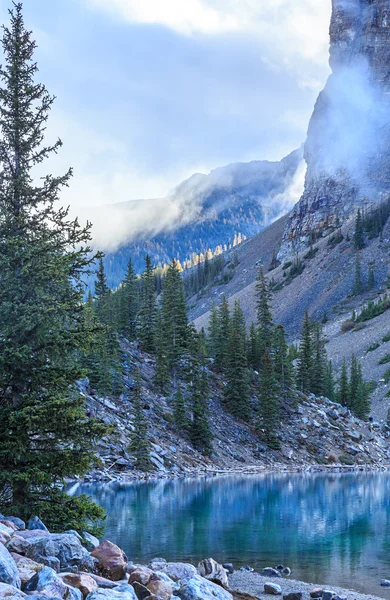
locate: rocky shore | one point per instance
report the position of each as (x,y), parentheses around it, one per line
(40,565)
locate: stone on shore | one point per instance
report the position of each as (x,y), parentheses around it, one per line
(36,523)
(140,575)
(65,547)
(175,570)
(26,567)
(8,570)
(20,525)
(47,583)
(197,587)
(111,560)
(89,541)
(9,591)
(293,596)
(80,581)
(385,583)
(316,592)
(161,589)
(213,571)
(118,593)
(272,588)
(270,572)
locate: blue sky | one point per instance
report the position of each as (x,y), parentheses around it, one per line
(151,91)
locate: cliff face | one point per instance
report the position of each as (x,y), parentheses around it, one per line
(347,150)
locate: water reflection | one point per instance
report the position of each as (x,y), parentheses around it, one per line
(328,528)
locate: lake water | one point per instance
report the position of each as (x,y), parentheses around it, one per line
(328,528)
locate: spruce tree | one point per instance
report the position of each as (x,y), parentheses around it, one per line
(222,350)
(162,378)
(305,359)
(236,392)
(358,237)
(139,443)
(343,387)
(253,348)
(319,363)
(269,403)
(45,436)
(329,382)
(213,332)
(371,278)
(282,364)
(199,427)
(179,410)
(129,303)
(148,308)
(264,313)
(174,315)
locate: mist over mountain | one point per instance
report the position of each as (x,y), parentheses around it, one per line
(203,212)
(347,150)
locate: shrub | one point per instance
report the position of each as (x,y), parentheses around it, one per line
(372,347)
(386,338)
(384,360)
(346,460)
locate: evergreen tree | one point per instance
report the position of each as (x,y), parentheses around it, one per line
(269,403)
(129,303)
(148,308)
(222,351)
(199,428)
(179,410)
(283,369)
(362,404)
(213,331)
(305,359)
(319,363)
(44,432)
(358,237)
(354,382)
(236,393)
(329,382)
(174,315)
(139,443)
(264,314)
(253,348)
(371,278)
(162,378)
(358,285)
(102,292)
(343,387)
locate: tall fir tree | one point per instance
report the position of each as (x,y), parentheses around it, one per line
(199,426)
(222,350)
(305,358)
(329,382)
(284,373)
(319,362)
(264,313)
(162,377)
(213,331)
(128,294)
(174,314)
(253,348)
(139,443)
(148,309)
(179,410)
(44,432)
(236,393)
(358,236)
(343,387)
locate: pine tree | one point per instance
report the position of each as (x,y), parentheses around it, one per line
(45,436)
(354,382)
(179,410)
(358,237)
(358,285)
(343,387)
(139,443)
(283,369)
(129,303)
(148,308)
(162,378)
(236,393)
(213,331)
(362,404)
(253,348)
(319,364)
(329,382)
(264,314)
(305,359)
(174,315)
(102,292)
(269,403)
(371,278)
(222,350)
(199,428)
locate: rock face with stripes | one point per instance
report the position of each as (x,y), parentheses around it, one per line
(347,149)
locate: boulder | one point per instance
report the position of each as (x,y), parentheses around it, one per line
(4,538)
(213,571)
(9,524)
(5,529)
(9,591)
(33,533)
(229,567)
(141,591)
(316,592)
(140,575)
(385,583)
(194,588)
(17,522)
(102,582)
(89,541)
(114,594)
(286,571)
(328,594)
(272,588)
(80,581)
(65,547)
(111,560)
(47,583)
(175,570)
(36,523)
(161,589)
(270,572)
(8,570)
(26,567)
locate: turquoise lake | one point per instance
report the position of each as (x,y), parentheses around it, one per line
(328,528)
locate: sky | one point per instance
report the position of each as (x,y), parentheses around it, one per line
(151,91)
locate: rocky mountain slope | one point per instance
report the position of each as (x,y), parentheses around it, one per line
(347,147)
(317,432)
(206,211)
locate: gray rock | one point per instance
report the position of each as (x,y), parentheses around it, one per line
(127,589)
(270,572)
(63,546)
(48,583)
(9,591)
(213,571)
(229,567)
(8,570)
(16,521)
(74,594)
(197,587)
(89,541)
(50,561)
(175,571)
(385,583)
(293,596)
(272,588)
(141,591)
(328,594)
(286,571)
(115,594)
(36,523)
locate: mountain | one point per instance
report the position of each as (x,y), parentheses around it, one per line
(204,212)
(347,150)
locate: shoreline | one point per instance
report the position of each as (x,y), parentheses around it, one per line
(253,584)
(129,477)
